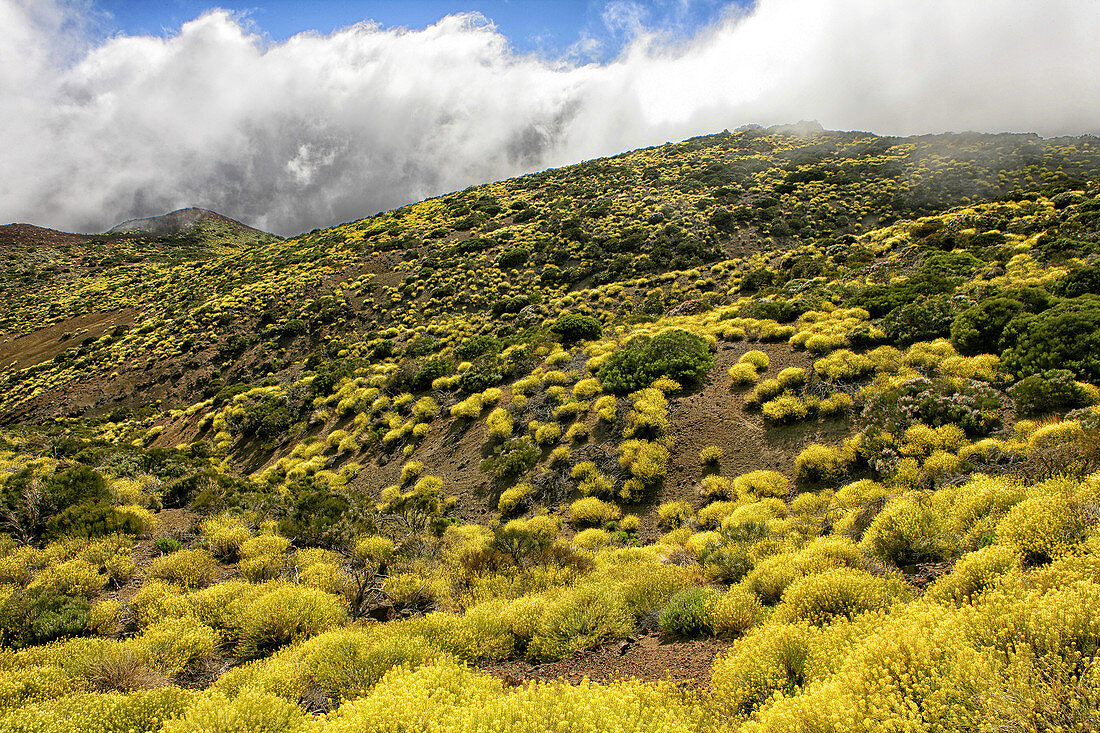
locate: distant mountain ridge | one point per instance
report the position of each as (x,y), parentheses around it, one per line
(195,225)
(174,222)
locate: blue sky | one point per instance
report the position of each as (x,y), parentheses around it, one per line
(583,29)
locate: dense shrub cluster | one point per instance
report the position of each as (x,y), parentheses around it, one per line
(677,354)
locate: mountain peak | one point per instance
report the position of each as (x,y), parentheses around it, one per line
(174,222)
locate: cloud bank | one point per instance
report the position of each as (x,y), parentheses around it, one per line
(322,129)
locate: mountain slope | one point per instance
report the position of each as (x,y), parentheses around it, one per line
(827,399)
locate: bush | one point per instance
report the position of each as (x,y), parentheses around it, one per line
(475,346)
(429,371)
(573,327)
(674,513)
(512,258)
(249,712)
(186,568)
(843,364)
(1043,528)
(755,358)
(785,409)
(591,510)
(974,572)
(224,534)
(500,424)
(711,455)
(1066,336)
(284,614)
(1052,391)
(770,661)
(742,375)
(688,612)
(840,592)
(268,418)
(926,319)
(733,612)
(978,329)
(511,459)
(908,531)
(677,354)
(761,484)
(819,463)
(1083,280)
(513,498)
(971,404)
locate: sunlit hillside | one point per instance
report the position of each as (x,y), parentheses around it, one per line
(774,430)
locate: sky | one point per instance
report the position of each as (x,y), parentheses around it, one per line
(579,30)
(295,115)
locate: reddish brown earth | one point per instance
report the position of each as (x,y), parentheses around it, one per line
(46,343)
(686,664)
(28,235)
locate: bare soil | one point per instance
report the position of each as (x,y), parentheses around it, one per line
(647,658)
(46,343)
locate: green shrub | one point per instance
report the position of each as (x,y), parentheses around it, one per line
(573,327)
(511,459)
(513,258)
(978,329)
(1066,336)
(1083,280)
(475,346)
(1052,391)
(429,371)
(677,354)
(688,612)
(268,418)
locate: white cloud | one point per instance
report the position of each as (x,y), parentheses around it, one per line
(322,129)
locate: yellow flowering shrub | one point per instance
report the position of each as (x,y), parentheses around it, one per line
(756,358)
(761,484)
(591,539)
(74,577)
(513,498)
(908,530)
(285,613)
(224,534)
(177,643)
(742,374)
(263,557)
(186,568)
(591,510)
(157,600)
(734,612)
(674,513)
(973,573)
(820,463)
(248,712)
(1043,527)
(141,711)
(717,487)
(819,598)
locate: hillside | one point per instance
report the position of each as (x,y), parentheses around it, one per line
(805,421)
